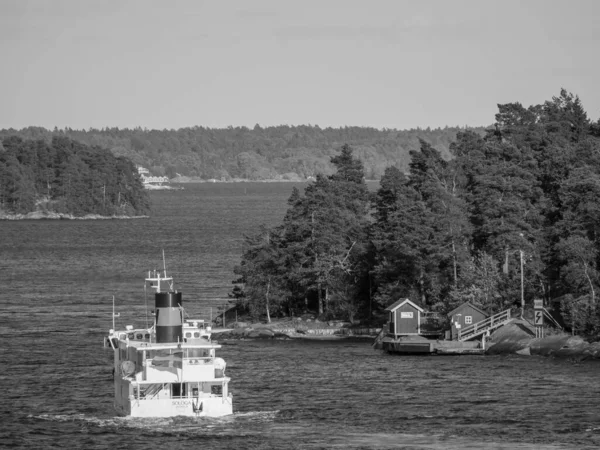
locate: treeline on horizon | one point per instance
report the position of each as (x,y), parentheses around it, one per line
(279,152)
(68,177)
(452,230)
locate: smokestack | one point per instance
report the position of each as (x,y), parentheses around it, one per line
(169,317)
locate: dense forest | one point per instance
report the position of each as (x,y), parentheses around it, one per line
(282,152)
(68,177)
(524,194)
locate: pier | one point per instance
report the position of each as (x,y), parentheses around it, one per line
(411,330)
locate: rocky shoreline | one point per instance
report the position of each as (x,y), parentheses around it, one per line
(334,330)
(517,338)
(513,338)
(50,215)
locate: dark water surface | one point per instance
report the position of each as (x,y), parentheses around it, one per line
(58,279)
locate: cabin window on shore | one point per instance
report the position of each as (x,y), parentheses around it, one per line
(468,320)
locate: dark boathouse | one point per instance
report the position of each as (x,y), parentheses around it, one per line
(405,318)
(463,316)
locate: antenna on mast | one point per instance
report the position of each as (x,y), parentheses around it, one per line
(169,280)
(113,314)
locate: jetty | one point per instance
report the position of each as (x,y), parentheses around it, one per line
(412,330)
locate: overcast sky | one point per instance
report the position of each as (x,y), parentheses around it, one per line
(394,64)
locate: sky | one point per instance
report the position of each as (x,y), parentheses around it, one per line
(384,64)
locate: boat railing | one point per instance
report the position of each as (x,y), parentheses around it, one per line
(152,390)
(431,323)
(192,360)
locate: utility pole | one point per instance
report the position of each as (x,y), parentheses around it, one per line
(522,278)
(522,286)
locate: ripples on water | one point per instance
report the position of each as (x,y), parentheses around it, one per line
(58,280)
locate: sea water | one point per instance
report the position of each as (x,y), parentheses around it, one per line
(58,280)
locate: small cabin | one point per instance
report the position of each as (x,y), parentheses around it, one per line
(464,316)
(405,318)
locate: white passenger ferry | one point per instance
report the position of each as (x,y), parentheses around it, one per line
(170,368)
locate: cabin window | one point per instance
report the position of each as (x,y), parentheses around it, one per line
(147,336)
(216,390)
(139,336)
(130,336)
(188,334)
(177,390)
(468,320)
(197,334)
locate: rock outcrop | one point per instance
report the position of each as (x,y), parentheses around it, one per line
(51,215)
(249,333)
(519,338)
(286,331)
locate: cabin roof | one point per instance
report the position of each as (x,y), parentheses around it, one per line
(451,313)
(394,306)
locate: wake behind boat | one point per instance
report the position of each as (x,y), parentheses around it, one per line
(170,368)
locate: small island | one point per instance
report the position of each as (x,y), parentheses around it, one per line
(65,179)
(509,220)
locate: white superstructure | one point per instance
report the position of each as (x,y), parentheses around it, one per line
(169,369)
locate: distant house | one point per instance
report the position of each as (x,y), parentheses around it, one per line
(463,316)
(150,180)
(405,318)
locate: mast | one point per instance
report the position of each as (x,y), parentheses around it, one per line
(146,303)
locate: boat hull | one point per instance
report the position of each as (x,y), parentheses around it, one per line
(190,407)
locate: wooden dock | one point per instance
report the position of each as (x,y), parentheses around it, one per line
(409,327)
(419,345)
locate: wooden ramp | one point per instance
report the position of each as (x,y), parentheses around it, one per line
(484,326)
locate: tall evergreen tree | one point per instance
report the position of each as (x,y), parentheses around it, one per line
(262,272)
(323,237)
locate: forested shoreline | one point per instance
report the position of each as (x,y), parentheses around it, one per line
(270,153)
(457,214)
(65,178)
(525,194)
